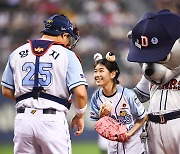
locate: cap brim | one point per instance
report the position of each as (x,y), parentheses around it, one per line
(148,55)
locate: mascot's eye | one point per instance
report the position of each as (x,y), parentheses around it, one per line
(166,59)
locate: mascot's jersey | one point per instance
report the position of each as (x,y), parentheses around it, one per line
(165,98)
(126,106)
(59,72)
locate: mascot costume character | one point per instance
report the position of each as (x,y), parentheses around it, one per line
(155,45)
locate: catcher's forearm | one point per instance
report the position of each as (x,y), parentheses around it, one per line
(137,125)
(80,98)
(8,93)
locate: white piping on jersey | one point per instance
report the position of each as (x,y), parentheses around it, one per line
(165,100)
(118,104)
(161,99)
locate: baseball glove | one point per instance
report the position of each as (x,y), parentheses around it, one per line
(110,129)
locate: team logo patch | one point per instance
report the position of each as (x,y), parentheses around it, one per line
(124,106)
(82,75)
(33,111)
(138,103)
(38,49)
(92,113)
(123,113)
(154,40)
(124,117)
(23,53)
(137,44)
(49,23)
(144,42)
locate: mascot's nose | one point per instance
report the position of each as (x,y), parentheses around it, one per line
(149,70)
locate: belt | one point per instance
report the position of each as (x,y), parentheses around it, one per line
(61,101)
(45,111)
(163,118)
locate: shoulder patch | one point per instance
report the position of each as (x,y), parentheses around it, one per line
(138,103)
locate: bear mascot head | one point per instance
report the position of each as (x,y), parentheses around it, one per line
(155,45)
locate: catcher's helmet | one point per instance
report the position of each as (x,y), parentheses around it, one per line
(59,24)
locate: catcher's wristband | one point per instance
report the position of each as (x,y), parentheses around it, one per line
(81,110)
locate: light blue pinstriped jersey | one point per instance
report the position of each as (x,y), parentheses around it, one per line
(59,71)
(126,107)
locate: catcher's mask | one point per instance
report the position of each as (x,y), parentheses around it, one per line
(60,24)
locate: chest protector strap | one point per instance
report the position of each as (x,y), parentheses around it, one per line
(39,48)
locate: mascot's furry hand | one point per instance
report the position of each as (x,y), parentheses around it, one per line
(110,129)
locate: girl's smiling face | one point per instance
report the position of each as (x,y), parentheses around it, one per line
(102,76)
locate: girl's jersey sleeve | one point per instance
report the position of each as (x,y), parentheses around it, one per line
(137,108)
(7,77)
(94,113)
(75,75)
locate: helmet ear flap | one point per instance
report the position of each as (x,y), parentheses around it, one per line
(75,30)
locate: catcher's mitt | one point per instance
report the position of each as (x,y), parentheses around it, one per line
(110,129)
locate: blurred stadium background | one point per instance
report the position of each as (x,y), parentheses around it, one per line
(103,26)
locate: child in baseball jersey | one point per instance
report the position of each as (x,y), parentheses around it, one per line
(123,105)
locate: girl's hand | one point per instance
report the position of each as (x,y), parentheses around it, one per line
(128,135)
(105,109)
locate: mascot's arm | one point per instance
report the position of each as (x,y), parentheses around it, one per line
(142,90)
(170,74)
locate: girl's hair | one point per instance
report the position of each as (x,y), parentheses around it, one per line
(110,65)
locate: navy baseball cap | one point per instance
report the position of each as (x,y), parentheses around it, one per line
(59,24)
(154,36)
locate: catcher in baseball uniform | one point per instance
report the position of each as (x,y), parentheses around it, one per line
(41,75)
(155,45)
(120,103)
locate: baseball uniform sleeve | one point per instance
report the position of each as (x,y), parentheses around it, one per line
(75,75)
(137,109)
(7,77)
(94,114)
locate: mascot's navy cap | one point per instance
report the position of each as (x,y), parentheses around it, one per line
(57,25)
(154,36)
